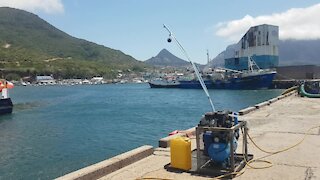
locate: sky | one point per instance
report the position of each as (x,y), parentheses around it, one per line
(136,26)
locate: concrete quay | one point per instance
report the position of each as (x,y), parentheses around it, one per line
(273,125)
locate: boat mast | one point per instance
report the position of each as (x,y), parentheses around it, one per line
(203,85)
(208,57)
(252,63)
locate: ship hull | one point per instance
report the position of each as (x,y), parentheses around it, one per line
(6,106)
(155,85)
(260,81)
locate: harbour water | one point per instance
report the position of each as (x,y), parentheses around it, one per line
(58,129)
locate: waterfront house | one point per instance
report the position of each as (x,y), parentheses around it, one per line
(45,80)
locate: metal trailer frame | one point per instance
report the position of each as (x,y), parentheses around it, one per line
(231,131)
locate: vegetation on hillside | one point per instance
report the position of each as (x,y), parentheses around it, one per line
(30,45)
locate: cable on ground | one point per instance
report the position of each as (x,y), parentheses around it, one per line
(269,153)
(249,163)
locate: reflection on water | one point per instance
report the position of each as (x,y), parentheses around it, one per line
(26,106)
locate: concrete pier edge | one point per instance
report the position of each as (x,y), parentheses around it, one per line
(265,103)
(108,166)
(165,142)
(105,167)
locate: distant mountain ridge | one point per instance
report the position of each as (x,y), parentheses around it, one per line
(165,58)
(30,44)
(299,52)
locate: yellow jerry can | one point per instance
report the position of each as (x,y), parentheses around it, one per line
(180,153)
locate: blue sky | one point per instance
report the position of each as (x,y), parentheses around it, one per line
(135,26)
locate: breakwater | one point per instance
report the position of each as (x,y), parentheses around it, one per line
(285,84)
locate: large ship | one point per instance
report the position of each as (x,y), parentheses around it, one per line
(223,78)
(248,64)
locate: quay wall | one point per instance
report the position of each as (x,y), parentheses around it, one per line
(108,166)
(105,167)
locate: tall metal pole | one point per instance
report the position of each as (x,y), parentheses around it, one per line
(203,85)
(208,57)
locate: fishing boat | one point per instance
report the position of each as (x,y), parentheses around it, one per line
(6,105)
(223,78)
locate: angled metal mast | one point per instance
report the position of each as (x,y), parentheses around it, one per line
(203,85)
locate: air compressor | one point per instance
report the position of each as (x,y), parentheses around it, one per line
(217,143)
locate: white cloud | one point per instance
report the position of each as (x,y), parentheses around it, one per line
(296,23)
(48,6)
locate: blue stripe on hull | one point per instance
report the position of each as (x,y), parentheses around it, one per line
(256,82)
(194,84)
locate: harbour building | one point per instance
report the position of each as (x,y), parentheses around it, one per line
(259,42)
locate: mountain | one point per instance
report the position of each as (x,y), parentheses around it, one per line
(28,44)
(299,52)
(165,58)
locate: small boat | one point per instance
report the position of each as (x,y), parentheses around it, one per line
(6,105)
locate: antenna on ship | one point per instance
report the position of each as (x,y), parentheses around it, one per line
(208,57)
(203,85)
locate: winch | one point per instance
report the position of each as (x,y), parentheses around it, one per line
(217,136)
(217,144)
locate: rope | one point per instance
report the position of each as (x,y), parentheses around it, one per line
(287,148)
(269,153)
(249,163)
(153,178)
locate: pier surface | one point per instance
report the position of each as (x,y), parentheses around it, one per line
(273,127)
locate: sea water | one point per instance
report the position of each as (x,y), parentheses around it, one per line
(54,130)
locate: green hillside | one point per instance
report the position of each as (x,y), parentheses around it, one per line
(30,45)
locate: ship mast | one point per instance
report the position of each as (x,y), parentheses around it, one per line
(252,64)
(208,57)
